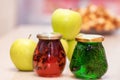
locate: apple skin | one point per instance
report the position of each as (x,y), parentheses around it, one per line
(65,45)
(67,22)
(71,45)
(21,53)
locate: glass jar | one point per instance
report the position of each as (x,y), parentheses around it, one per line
(89,59)
(49,57)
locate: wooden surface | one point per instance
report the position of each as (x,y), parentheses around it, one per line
(9,72)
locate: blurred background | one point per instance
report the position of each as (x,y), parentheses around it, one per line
(14,13)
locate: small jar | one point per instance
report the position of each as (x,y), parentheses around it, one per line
(49,57)
(89,59)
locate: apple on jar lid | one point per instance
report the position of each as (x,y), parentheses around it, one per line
(67,22)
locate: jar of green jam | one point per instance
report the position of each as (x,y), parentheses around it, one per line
(89,59)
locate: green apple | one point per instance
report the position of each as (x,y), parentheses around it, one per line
(67,22)
(71,45)
(21,53)
(65,45)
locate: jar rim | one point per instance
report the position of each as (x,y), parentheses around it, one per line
(89,38)
(49,36)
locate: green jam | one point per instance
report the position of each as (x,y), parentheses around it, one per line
(89,60)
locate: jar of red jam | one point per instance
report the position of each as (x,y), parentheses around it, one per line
(49,57)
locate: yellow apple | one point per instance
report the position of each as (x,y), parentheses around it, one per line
(21,53)
(65,45)
(67,22)
(71,45)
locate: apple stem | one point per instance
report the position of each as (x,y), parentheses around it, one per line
(29,36)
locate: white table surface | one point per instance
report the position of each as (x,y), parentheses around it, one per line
(9,72)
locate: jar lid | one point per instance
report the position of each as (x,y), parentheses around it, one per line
(89,38)
(49,36)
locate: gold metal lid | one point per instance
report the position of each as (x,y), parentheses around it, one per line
(49,36)
(89,38)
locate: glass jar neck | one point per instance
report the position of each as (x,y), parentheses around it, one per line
(94,45)
(49,41)
(91,43)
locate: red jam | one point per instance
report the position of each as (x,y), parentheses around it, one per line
(49,58)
